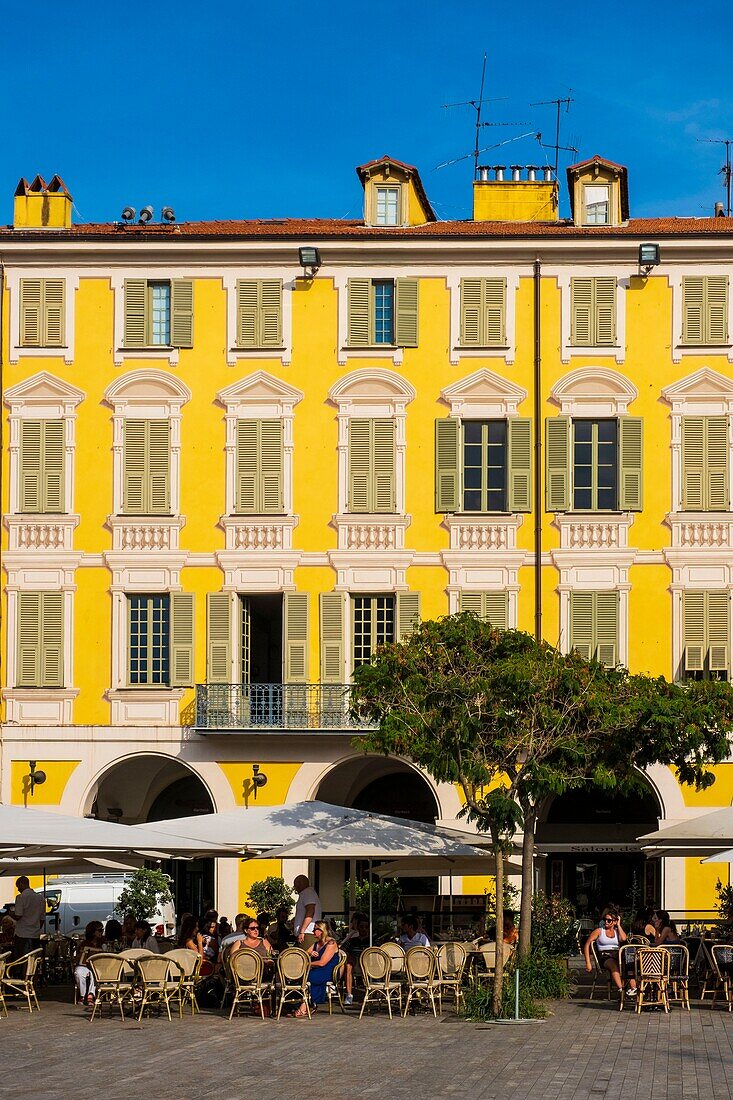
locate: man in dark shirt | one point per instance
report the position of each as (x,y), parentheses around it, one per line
(280,933)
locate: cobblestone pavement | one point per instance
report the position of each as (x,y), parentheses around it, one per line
(585,1051)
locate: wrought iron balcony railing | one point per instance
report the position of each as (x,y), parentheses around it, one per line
(235,707)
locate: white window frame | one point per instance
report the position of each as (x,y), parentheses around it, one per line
(229,281)
(598,186)
(395,188)
(341,283)
(703,393)
(17,349)
(674,277)
(512,276)
(564,276)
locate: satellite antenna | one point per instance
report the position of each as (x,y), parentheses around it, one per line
(477,105)
(726,171)
(558,104)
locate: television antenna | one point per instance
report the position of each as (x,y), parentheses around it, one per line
(726,171)
(558,104)
(477,104)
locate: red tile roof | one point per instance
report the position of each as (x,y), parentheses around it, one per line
(596,159)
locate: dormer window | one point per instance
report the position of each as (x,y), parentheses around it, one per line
(599,192)
(596,203)
(388,205)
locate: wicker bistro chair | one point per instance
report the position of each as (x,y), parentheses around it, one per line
(333,988)
(189,963)
(247,968)
(3,962)
(420,965)
(627,963)
(160,983)
(396,954)
(653,964)
(451,964)
(293,967)
(110,979)
(19,978)
(722,957)
(705,966)
(599,971)
(376,970)
(679,974)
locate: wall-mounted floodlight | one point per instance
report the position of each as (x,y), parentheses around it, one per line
(310,260)
(649,257)
(146,214)
(168,214)
(128,214)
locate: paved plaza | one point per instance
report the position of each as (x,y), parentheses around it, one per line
(585,1051)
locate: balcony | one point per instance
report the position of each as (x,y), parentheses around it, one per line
(236,708)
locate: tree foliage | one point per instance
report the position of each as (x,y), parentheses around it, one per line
(270,894)
(144,892)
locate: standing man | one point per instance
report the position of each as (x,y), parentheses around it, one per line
(30,912)
(307,912)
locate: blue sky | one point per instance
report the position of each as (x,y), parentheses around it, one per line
(226,109)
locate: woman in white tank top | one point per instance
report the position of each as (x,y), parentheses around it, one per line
(608,940)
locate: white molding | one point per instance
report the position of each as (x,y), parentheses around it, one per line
(28,532)
(479,532)
(152,395)
(593,391)
(696,573)
(371,392)
(479,571)
(599,570)
(483,395)
(259,396)
(121,353)
(229,282)
(569,351)
(40,706)
(145,706)
(453,281)
(251,571)
(40,571)
(370,571)
(253,533)
(344,352)
(368,532)
(131,533)
(13,275)
(705,392)
(674,277)
(593,531)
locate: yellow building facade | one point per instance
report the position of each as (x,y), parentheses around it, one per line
(232,469)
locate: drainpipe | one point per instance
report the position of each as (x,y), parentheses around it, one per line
(2,451)
(537,454)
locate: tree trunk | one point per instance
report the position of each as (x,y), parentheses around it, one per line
(499,971)
(525,911)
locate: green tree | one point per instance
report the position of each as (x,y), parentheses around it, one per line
(144,892)
(270,894)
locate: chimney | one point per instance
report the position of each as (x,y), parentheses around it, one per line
(509,198)
(41,205)
(719,210)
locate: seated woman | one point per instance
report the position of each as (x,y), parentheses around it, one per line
(665,930)
(144,938)
(511,936)
(253,939)
(207,944)
(324,955)
(7,933)
(644,925)
(112,934)
(187,933)
(608,940)
(90,945)
(129,924)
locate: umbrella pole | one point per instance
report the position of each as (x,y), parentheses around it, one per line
(371,908)
(44,900)
(450,901)
(352,887)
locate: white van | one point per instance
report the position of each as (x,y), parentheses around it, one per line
(73,901)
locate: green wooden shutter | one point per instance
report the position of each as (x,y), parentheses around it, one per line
(491,606)
(247,467)
(407,618)
(693,309)
(606,628)
(716,309)
(40,639)
(136,334)
(604,311)
(471,601)
(332,637)
(581,624)
(630,449)
(717,451)
(52,639)
(270,313)
(581,311)
(54,432)
(359,326)
(406,312)
(31,312)
(693,631)
(693,463)
(158,481)
(218,637)
(182,313)
(182,632)
(471,299)
(271,467)
(360,464)
(31,465)
(519,464)
(447,464)
(493,312)
(383,480)
(247,312)
(28,673)
(295,621)
(134,463)
(718,624)
(53,312)
(557,489)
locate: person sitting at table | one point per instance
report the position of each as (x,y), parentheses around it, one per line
(324,956)
(7,933)
(280,933)
(237,932)
(665,930)
(144,938)
(90,945)
(356,941)
(644,925)
(511,935)
(207,945)
(264,920)
(252,939)
(112,934)
(608,942)
(410,937)
(224,929)
(129,924)
(187,933)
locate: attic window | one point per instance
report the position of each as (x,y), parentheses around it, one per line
(388,205)
(596,203)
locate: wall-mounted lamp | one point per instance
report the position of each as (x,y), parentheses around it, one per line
(310,261)
(36,776)
(259,779)
(649,257)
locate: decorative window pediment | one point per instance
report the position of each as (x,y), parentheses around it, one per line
(594,391)
(483,394)
(259,394)
(149,389)
(705,391)
(373,392)
(43,391)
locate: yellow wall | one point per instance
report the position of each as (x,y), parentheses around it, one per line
(514,201)
(50,793)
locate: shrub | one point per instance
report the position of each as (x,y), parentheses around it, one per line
(553,925)
(542,977)
(724,905)
(270,894)
(143,892)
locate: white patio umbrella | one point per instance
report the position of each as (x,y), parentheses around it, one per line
(441,865)
(705,835)
(40,865)
(721,857)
